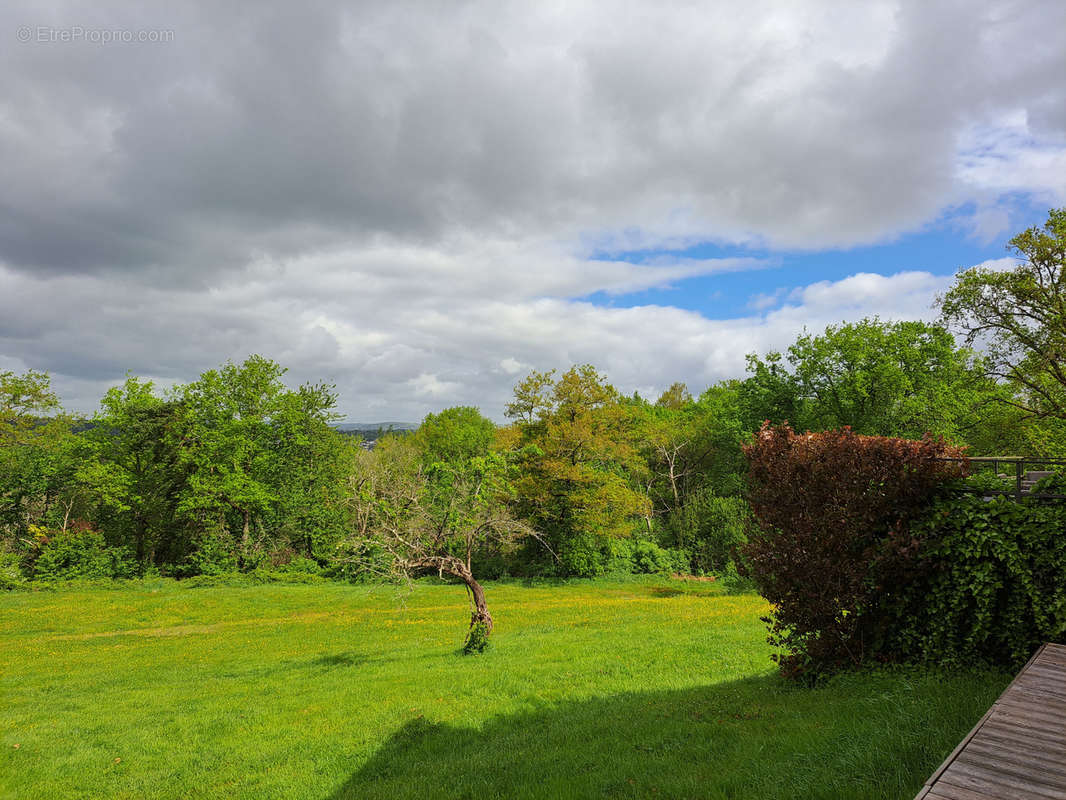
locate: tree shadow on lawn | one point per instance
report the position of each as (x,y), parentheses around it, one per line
(346,659)
(664,591)
(874,736)
(321,664)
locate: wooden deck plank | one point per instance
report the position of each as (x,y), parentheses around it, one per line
(1044,675)
(1023,738)
(1028,710)
(1056,653)
(1044,678)
(1034,694)
(1031,737)
(1009,749)
(1040,694)
(1012,751)
(1038,724)
(1047,666)
(1027,705)
(1018,748)
(946,792)
(982,778)
(990,782)
(1017,766)
(1024,689)
(958,793)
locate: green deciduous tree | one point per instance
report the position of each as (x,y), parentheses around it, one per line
(250,446)
(135,472)
(38,456)
(770,393)
(532,397)
(880,378)
(311,468)
(433,501)
(580,482)
(1018,317)
(455,436)
(692,451)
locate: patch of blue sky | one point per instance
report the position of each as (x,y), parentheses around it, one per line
(941,249)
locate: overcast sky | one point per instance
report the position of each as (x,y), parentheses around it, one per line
(420,202)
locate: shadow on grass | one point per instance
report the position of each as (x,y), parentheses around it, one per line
(876,736)
(665,591)
(321,664)
(349,659)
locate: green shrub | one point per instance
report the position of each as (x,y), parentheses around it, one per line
(647,558)
(360,561)
(492,561)
(301,566)
(231,579)
(215,553)
(11,576)
(585,555)
(620,558)
(641,556)
(734,582)
(79,551)
(1052,484)
(711,528)
(989,582)
(987,480)
(275,576)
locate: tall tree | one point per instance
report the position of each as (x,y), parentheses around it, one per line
(692,448)
(1018,317)
(248,450)
(135,471)
(882,378)
(579,483)
(771,394)
(532,397)
(692,444)
(37,455)
(311,470)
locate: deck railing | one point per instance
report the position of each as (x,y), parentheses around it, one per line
(1019,469)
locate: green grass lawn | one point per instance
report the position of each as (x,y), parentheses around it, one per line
(637,689)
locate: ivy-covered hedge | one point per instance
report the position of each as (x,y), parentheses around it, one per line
(869,554)
(989,582)
(832,539)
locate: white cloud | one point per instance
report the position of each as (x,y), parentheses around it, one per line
(905,294)
(512,366)
(999,264)
(401,356)
(764,300)
(283,131)
(1003,156)
(404,198)
(430,386)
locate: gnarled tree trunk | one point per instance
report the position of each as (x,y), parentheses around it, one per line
(453,566)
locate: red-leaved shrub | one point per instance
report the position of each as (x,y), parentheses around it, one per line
(830,546)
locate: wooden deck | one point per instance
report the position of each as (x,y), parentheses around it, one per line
(1018,749)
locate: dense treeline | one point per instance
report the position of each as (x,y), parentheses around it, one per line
(238,472)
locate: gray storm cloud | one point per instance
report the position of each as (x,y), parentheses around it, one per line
(402,197)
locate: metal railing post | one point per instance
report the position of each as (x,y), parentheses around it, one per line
(1018,472)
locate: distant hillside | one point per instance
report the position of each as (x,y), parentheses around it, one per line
(370,431)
